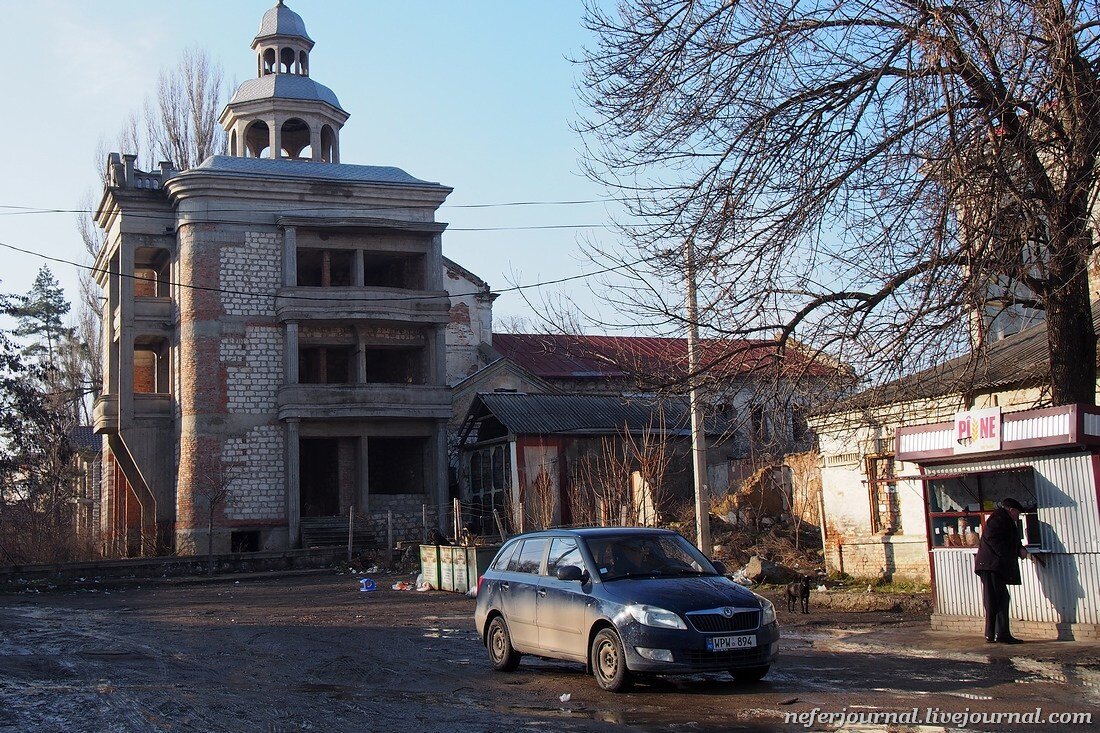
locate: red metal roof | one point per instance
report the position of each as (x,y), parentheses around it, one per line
(558,356)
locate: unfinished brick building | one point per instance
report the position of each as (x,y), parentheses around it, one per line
(275,324)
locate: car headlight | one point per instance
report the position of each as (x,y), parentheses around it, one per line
(767,611)
(653,616)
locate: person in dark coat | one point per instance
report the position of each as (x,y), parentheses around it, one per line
(998,565)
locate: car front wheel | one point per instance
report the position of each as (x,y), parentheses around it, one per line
(502,655)
(750,675)
(608,661)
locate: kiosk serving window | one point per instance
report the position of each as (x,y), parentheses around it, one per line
(960,504)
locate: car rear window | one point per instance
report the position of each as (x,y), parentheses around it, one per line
(505,554)
(529,557)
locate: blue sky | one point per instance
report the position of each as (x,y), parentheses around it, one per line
(478,95)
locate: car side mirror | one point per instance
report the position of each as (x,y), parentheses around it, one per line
(570,572)
(719,567)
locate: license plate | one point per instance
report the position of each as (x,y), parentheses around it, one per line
(725,643)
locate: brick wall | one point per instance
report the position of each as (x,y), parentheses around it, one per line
(875,557)
(254,267)
(254,369)
(1026,629)
(256,464)
(408,520)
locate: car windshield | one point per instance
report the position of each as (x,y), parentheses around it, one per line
(633,556)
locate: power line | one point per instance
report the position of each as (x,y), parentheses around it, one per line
(253,294)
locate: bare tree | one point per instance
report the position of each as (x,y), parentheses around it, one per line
(214,493)
(182,122)
(858,174)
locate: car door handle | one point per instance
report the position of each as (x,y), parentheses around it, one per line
(540,592)
(504,586)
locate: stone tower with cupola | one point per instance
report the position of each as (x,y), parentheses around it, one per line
(275,332)
(283,113)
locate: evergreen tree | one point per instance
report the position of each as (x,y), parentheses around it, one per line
(40,316)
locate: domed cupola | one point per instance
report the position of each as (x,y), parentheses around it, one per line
(283,113)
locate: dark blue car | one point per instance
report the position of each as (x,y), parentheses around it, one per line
(622,601)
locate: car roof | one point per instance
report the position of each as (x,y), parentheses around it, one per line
(596,532)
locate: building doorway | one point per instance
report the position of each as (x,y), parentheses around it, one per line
(319,477)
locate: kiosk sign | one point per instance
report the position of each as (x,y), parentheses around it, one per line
(977,431)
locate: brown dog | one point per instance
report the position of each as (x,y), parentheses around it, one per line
(799,592)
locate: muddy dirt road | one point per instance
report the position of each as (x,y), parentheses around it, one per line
(311,653)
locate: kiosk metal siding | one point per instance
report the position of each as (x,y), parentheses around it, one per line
(1062,592)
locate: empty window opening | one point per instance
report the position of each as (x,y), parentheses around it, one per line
(319,476)
(395,366)
(244,541)
(286,61)
(150,369)
(269,61)
(322,268)
(257,140)
(393,271)
(151,273)
(233,143)
(328,144)
(326,364)
(303,63)
(396,465)
(295,138)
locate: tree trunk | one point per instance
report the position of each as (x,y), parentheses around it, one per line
(1071,335)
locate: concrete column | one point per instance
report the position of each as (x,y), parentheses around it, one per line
(336,146)
(364,474)
(290,355)
(290,257)
(439,457)
(357,277)
(360,358)
(293,478)
(125,335)
(437,357)
(276,139)
(315,142)
(433,265)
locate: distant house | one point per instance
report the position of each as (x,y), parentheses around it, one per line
(88,459)
(593,379)
(536,459)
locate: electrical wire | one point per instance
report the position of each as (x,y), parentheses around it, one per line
(273,296)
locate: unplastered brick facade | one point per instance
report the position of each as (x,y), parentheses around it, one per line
(250,274)
(253,366)
(263,350)
(257,475)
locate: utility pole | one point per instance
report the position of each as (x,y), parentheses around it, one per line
(698,436)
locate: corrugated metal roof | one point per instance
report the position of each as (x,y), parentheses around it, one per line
(546,414)
(284,86)
(650,359)
(308,169)
(1020,359)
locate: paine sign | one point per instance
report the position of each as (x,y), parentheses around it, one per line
(977,431)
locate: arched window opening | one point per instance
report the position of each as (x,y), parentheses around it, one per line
(257,139)
(295,138)
(286,61)
(328,145)
(303,63)
(269,61)
(233,143)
